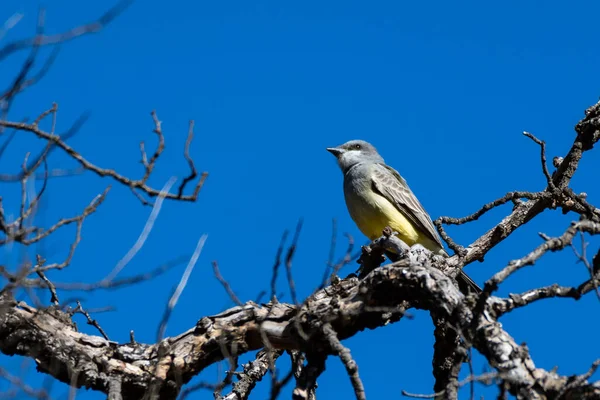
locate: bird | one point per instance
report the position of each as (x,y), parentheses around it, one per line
(377,197)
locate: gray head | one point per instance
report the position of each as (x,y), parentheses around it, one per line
(355,152)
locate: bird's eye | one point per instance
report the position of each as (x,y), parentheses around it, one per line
(357,146)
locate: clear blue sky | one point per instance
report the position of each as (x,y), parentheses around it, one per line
(444,91)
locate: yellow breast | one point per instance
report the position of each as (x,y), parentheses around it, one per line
(373,213)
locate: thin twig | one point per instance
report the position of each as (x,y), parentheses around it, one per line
(144,234)
(139,184)
(54,296)
(542,144)
(276,265)
(344,354)
(511,196)
(552,244)
(179,289)
(90,320)
(579,379)
(288,261)
(43,40)
(225,284)
(583,258)
(19,383)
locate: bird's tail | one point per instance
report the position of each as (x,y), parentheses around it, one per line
(466,284)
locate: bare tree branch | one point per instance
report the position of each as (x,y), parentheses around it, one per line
(43,40)
(310,330)
(344,354)
(422,285)
(135,185)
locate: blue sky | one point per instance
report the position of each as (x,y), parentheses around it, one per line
(444,90)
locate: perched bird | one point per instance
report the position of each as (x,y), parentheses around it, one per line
(377,196)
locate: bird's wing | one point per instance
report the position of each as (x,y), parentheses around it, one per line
(387,182)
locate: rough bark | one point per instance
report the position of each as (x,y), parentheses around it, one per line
(91,361)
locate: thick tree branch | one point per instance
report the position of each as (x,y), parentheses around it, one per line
(45,335)
(448,355)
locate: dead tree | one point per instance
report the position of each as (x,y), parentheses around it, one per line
(307,331)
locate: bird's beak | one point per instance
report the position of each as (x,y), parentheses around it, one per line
(336,151)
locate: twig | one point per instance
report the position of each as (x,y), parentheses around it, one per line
(7,97)
(91,208)
(346,258)
(288,261)
(225,284)
(552,244)
(90,320)
(10,23)
(179,289)
(143,235)
(579,379)
(332,246)
(139,184)
(276,265)
(260,296)
(105,285)
(549,245)
(277,385)
(489,206)
(43,40)
(7,142)
(331,270)
(467,381)
(542,144)
(421,396)
(344,354)
(54,173)
(460,250)
(195,387)
(190,161)
(52,110)
(232,358)
(22,236)
(28,390)
(583,258)
(54,296)
(503,306)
